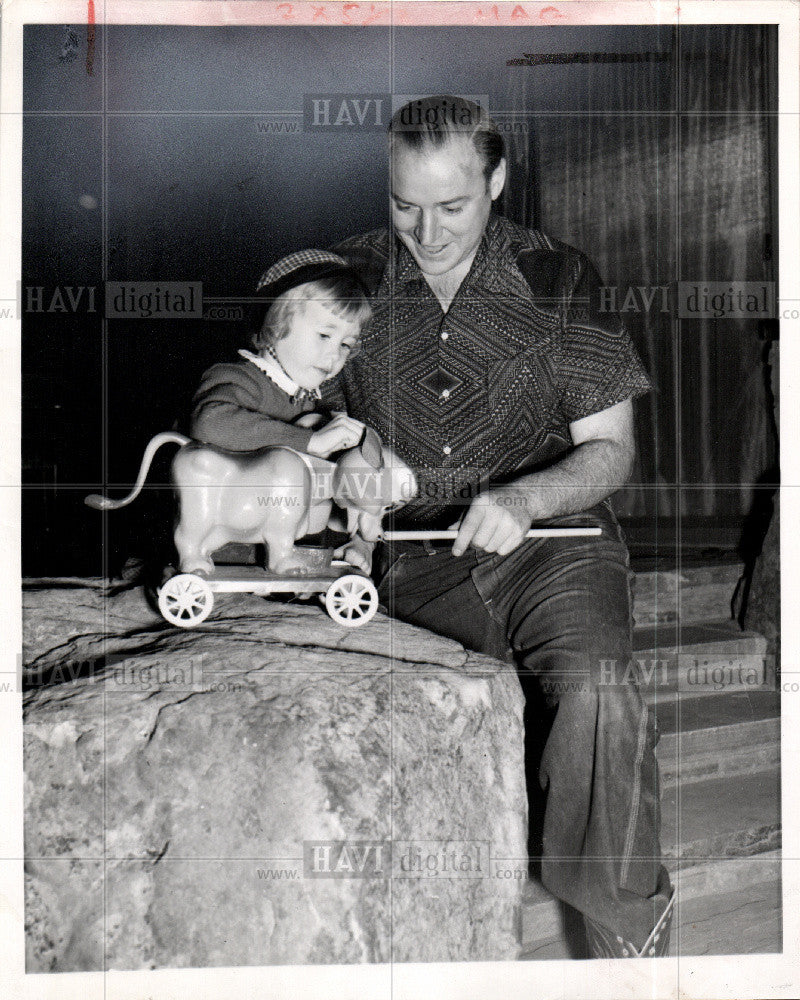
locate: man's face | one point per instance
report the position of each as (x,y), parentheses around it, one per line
(317,345)
(441,202)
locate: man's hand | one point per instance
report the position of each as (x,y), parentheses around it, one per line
(357,552)
(341,432)
(496,521)
(598,464)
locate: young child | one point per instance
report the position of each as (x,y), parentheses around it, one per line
(314,308)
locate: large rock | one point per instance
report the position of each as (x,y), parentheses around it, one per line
(189,794)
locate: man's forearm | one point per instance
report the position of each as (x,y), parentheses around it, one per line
(599,463)
(587,475)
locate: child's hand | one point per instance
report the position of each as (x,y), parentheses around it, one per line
(357,552)
(341,432)
(309,420)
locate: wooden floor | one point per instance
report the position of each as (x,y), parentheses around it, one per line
(739,922)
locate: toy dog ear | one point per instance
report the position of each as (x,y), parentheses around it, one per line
(371,449)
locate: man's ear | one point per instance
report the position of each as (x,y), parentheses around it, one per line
(498,179)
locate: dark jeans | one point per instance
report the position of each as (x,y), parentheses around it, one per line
(562,607)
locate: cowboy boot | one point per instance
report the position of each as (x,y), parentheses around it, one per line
(604,943)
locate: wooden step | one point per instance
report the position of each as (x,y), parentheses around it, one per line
(753,884)
(689,594)
(737,733)
(718,836)
(739,913)
(695,879)
(697,660)
(722,817)
(743,921)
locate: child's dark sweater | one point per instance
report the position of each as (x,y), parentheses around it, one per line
(239,407)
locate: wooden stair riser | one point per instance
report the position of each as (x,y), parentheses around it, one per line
(722,817)
(738,662)
(725,751)
(693,879)
(695,594)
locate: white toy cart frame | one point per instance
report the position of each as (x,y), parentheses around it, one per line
(348,595)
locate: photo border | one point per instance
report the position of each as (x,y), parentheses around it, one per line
(723,976)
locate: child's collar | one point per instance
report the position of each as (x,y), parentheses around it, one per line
(275,370)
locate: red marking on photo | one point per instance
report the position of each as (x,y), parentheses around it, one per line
(90,38)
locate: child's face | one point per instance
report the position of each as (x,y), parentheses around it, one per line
(317,345)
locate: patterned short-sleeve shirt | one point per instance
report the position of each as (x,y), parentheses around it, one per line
(486,391)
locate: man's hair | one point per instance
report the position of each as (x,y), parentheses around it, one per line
(434,121)
(343,293)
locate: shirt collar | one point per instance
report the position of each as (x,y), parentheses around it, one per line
(486,267)
(405,267)
(275,371)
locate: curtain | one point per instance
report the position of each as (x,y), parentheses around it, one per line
(674,185)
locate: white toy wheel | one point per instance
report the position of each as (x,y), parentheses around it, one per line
(352,600)
(185,600)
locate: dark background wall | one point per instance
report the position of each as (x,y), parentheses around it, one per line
(157,167)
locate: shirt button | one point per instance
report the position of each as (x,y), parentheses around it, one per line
(445,394)
(444,334)
(447,449)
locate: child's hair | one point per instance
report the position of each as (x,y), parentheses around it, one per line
(342,291)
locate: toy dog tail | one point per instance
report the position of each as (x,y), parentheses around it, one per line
(105,503)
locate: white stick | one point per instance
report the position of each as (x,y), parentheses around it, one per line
(432,536)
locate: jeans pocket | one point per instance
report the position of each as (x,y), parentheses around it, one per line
(486,581)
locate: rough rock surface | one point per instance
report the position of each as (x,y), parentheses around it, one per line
(172,779)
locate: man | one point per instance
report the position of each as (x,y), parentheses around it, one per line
(491,369)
